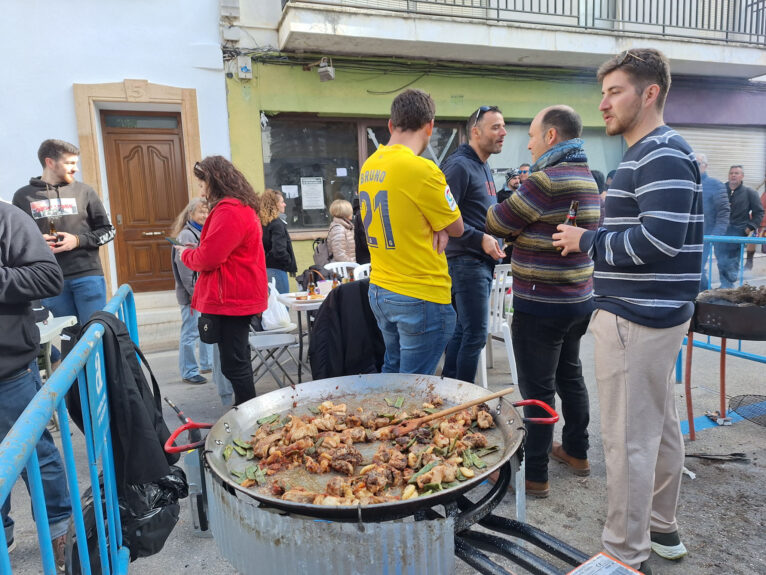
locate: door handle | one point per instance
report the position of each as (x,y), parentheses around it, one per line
(119,219)
(153,233)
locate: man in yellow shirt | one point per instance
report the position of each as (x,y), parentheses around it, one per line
(408,214)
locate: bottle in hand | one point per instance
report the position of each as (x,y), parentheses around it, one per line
(571,219)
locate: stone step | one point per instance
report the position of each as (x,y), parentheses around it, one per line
(159,321)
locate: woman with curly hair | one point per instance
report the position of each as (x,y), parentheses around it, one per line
(230,260)
(280,258)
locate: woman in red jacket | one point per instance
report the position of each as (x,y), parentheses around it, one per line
(232,285)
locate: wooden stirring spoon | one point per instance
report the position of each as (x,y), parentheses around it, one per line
(410,425)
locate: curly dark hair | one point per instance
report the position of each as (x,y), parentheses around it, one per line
(411,110)
(225,181)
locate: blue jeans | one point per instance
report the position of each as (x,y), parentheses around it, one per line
(16,393)
(283,283)
(471,282)
(707,248)
(80,297)
(728,259)
(187,362)
(415,331)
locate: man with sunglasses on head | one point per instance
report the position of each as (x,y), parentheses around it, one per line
(472,257)
(647,258)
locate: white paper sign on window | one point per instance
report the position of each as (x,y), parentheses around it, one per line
(312,192)
(290,191)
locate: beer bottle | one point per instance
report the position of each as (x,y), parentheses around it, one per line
(53,231)
(335,282)
(312,288)
(571,219)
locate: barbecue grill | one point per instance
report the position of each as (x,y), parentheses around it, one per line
(257,531)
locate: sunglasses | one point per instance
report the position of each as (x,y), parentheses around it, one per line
(523,171)
(624,56)
(198,171)
(483,110)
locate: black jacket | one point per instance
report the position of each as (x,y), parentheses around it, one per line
(138,429)
(473,188)
(279,247)
(345,339)
(75,209)
(28,271)
(746,210)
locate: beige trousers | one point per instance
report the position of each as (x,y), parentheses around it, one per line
(640,430)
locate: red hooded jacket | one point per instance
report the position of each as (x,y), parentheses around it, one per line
(230,261)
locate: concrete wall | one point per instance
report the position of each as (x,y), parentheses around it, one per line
(48,46)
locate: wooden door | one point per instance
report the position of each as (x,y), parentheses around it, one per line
(147,190)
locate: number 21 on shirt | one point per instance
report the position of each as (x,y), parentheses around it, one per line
(378,206)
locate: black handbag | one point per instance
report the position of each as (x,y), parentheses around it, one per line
(209,328)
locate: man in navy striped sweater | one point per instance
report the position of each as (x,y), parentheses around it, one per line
(647,261)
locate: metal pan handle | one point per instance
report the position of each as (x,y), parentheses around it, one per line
(189,425)
(554,417)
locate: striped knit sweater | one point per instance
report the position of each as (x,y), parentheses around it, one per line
(544,283)
(648,255)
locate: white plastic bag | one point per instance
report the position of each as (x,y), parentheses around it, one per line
(276,315)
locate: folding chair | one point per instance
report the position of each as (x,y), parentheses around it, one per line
(341,268)
(267,349)
(361,271)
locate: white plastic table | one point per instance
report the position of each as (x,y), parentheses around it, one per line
(301,306)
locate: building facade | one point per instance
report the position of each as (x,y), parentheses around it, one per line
(295,129)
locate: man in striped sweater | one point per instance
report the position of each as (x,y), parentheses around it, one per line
(552,296)
(647,270)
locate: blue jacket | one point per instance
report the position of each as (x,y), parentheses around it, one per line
(715,206)
(473,188)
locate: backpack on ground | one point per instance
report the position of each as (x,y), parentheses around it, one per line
(322,253)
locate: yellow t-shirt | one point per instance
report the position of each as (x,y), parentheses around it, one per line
(403,198)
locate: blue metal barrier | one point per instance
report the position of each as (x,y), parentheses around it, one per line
(708,265)
(84,364)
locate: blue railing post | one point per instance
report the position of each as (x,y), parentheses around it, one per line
(85,365)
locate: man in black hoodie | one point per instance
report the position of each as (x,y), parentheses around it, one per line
(472,257)
(75,224)
(28,271)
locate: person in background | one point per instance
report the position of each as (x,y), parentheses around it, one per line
(598,177)
(647,261)
(716,209)
(609,178)
(361,250)
(340,237)
(75,224)
(744,220)
(231,263)
(512,183)
(187,229)
(524,171)
(473,256)
(280,258)
(28,271)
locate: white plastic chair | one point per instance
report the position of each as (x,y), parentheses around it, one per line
(498,327)
(361,271)
(341,268)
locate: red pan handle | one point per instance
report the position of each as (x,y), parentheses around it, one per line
(170,448)
(554,417)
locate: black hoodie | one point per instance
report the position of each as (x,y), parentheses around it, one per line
(473,188)
(28,271)
(75,209)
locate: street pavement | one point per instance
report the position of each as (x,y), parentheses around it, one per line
(721,514)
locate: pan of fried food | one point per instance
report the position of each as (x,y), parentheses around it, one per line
(328,448)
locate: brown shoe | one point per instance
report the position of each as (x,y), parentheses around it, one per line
(539,489)
(59,552)
(579,467)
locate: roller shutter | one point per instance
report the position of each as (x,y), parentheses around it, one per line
(727,146)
